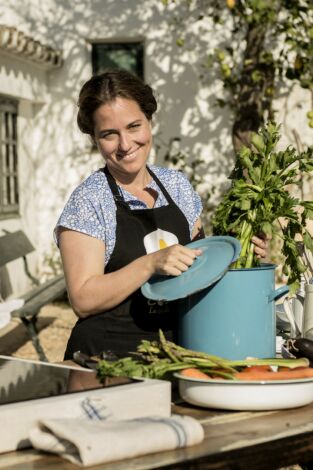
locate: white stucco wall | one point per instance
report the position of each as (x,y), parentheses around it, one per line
(54,157)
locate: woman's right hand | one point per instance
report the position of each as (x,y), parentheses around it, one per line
(174,260)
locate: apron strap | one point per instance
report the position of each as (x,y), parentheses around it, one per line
(118,195)
(112,183)
(164,191)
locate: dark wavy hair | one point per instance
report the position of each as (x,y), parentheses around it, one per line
(105,88)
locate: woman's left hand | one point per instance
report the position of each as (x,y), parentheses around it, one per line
(260,246)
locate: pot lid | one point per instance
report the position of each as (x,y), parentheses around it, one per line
(218,253)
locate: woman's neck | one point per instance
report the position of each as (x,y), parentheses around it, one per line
(137,186)
(136,181)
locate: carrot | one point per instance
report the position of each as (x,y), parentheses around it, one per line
(194,373)
(255,369)
(297,373)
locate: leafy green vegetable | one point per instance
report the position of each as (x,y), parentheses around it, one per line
(259,201)
(159,359)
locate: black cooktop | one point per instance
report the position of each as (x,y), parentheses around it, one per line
(22,380)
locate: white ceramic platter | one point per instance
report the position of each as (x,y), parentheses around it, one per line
(246,395)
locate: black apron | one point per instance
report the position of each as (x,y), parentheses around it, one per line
(122,328)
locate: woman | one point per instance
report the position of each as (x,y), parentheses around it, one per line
(125,223)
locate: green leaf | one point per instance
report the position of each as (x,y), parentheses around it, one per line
(258,142)
(267,229)
(308,241)
(245,205)
(293,287)
(308,208)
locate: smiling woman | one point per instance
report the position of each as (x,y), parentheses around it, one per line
(124,223)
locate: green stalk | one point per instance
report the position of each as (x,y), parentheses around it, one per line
(290,167)
(245,244)
(204,363)
(254,187)
(245,237)
(249,245)
(291,363)
(166,347)
(188,354)
(221,362)
(250,257)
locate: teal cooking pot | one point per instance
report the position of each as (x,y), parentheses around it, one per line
(221,311)
(234,318)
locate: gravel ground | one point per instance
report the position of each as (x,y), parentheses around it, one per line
(55,322)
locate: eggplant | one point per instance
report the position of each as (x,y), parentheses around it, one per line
(301,347)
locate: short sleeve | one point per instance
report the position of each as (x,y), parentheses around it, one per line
(82,214)
(182,193)
(188,200)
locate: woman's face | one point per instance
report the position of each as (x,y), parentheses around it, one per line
(123,136)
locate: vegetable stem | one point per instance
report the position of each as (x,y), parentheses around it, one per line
(250,257)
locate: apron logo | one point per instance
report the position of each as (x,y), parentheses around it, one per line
(158,306)
(159,239)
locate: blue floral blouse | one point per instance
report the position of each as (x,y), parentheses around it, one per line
(91,208)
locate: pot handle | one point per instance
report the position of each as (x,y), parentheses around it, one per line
(278,293)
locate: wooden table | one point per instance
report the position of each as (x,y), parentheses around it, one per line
(233,440)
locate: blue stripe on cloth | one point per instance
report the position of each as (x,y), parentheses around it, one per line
(178,429)
(93,411)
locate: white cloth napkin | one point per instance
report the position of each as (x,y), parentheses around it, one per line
(86,442)
(6,308)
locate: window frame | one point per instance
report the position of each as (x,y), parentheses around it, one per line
(138,42)
(9,158)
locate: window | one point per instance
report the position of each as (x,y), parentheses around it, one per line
(9,196)
(122,55)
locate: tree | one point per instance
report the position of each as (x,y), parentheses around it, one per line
(271,50)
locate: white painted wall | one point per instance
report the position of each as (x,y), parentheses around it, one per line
(54,157)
